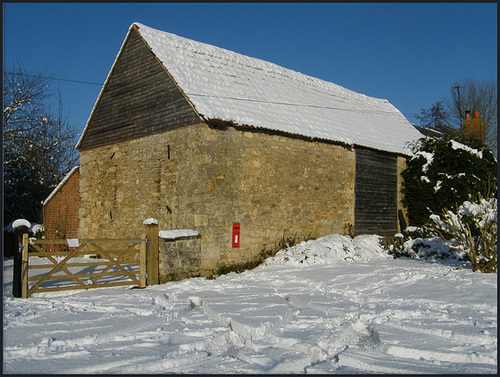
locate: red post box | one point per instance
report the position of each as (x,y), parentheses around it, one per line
(236,235)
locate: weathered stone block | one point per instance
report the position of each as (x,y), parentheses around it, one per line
(179,259)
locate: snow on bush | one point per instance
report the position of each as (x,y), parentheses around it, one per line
(433,248)
(37,228)
(473,227)
(422,243)
(444,172)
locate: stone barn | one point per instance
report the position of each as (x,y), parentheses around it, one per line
(246,153)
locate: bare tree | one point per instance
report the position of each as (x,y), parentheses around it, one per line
(23,98)
(38,143)
(477,95)
(436,118)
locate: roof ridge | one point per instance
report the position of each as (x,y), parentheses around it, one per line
(268,66)
(225,85)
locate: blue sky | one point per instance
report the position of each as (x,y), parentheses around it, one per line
(408,53)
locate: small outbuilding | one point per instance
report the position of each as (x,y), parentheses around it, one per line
(60,209)
(246,153)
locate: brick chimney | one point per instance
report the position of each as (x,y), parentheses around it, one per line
(473,127)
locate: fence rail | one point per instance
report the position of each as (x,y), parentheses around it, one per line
(111,261)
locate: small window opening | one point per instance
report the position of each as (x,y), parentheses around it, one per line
(168,152)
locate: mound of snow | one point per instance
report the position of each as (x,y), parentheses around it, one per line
(330,249)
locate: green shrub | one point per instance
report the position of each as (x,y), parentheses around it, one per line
(444,172)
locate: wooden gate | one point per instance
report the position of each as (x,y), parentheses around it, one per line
(108,268)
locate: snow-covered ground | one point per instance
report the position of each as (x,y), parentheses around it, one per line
(333,305)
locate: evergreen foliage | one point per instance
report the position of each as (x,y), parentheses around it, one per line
(443,173)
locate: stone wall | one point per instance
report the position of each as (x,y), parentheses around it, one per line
(179,258)
(202,178)
(277,188)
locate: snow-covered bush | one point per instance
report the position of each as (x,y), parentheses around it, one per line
(473,228)
(37,230)
(422,243)
(444,172)
(434,248)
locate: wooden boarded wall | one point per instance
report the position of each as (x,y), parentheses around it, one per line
(376,193)
(139,99)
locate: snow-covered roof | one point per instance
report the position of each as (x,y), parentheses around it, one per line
(224,85)
(61,184)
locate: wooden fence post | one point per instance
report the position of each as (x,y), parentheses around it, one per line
(18,262)
(24,266)
(142,263)
(152,254)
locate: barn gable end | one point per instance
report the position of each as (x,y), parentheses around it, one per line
(138,99)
